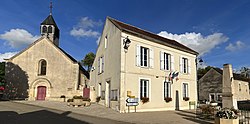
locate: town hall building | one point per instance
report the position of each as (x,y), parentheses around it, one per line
(44,71)
(134,63)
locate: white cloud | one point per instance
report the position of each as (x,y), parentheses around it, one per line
(17,38)
(85,28)
(84,33)
(233,47)
(6,55)
(196,41)
(98,40)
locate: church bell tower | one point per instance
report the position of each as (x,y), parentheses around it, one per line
(49,29)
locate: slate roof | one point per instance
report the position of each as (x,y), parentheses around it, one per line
(49,21)
(236,76)
(150,36)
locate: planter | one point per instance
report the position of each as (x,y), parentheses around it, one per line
(168,99)
(144,99)
(186,98)
(213,104)
(226,121)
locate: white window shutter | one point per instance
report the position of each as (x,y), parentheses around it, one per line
(172,62)
(181,65)
(138,55)
(162,60)
(151,58)
(189,66)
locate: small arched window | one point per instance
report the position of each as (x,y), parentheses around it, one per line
(44,29)
(42,67)
(50,29)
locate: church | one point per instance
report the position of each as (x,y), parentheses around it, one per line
(43,70)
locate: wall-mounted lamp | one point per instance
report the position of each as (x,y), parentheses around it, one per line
(126,43)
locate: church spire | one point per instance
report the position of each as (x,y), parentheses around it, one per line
(50,7)
(49,28)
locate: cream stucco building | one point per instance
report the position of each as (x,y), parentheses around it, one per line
(43,71)
(131,62)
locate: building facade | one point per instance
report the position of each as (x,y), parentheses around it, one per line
(131,62)
(217,82)
(43,71)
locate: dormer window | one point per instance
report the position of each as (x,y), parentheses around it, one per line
(42,67)
(50,29)
(44,29)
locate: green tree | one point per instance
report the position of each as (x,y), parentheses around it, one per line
(203,71)
(245,72)
(88,60)
(2,70)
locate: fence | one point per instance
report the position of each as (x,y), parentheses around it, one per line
(244,107)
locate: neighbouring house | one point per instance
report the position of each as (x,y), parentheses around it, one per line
(134,63)
(211,87)
(44,71)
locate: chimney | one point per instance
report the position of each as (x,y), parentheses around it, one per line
(228,99)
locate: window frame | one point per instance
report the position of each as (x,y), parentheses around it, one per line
(144,56)
(42,67)
(186,92)
(167,89)
(142,91)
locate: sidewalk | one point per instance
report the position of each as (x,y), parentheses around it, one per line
(161,117)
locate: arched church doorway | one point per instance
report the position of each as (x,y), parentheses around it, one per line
(41,93)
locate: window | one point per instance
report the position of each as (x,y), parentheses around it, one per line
(144,57)
(44,29)
(103,95)
(165,61)
(42,67)
(49,29)
(105,42)
(99,89)
(114,95)
(144,88)
(101,65)
(184,65)
(219,97)
(239,87)
(185,90)
(167,89)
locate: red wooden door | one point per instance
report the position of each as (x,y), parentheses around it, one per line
(86,92)
(41,93)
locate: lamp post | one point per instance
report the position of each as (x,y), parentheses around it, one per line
(126,44)
(198,61)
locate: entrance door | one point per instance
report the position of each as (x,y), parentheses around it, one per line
(41,93)
(177,104)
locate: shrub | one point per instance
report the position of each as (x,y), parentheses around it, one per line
(70,100)
(226,113)
(77,97)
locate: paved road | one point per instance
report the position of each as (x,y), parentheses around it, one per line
(17,113)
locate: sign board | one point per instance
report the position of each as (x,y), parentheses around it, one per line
(132,104)
(132,100)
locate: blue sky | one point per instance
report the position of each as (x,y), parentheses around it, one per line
(218,29)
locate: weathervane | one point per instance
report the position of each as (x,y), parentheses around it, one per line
(50,6)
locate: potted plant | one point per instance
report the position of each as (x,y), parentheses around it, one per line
(186,98)
(168,99)
(226,116)
(144,99)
